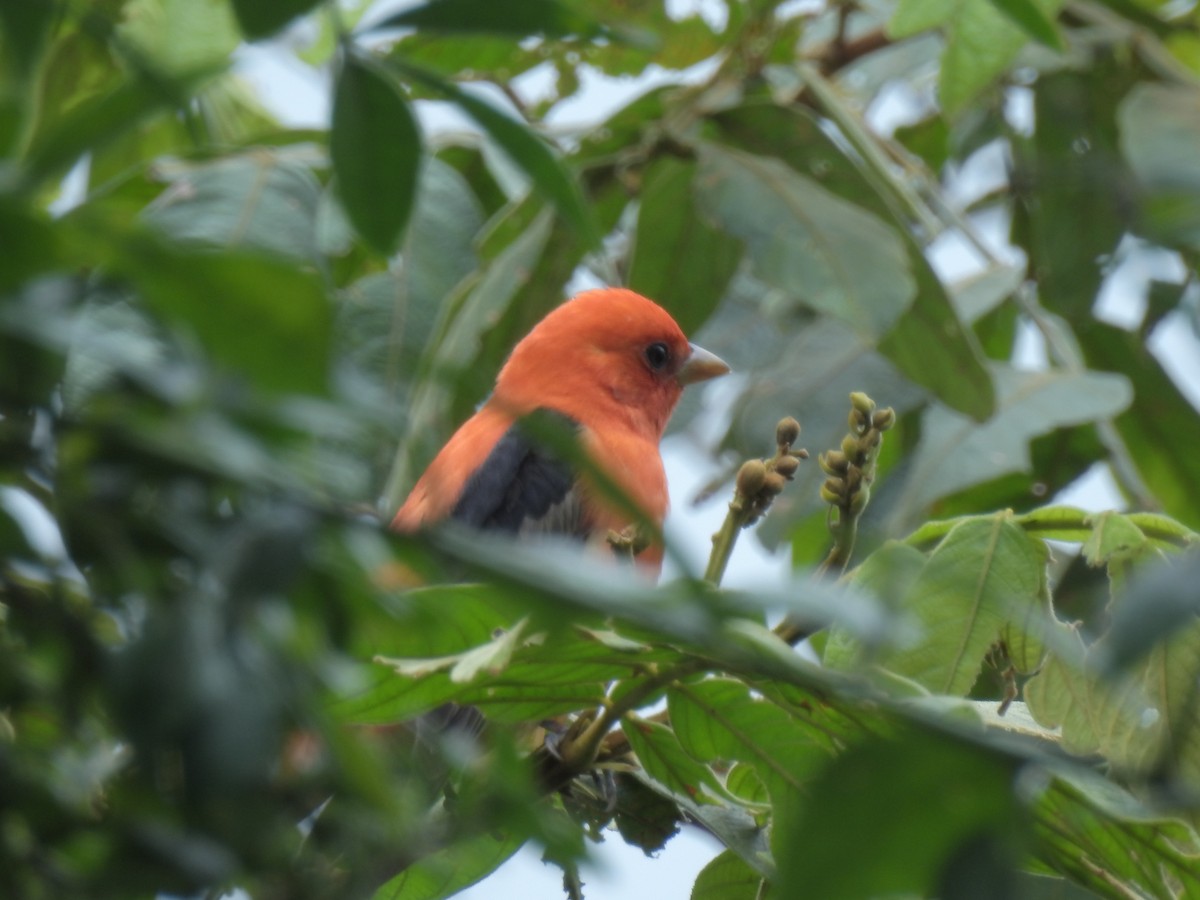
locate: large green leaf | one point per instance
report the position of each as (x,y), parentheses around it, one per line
(262,18)
(1158,426)
(889,574)
(728,877)
(1158,603)
(449,871)
(1033,20)
(818,250)
(1160,138)
(1073,186)
(1100,836)
(956,452)
(938,815)
(177,35)
(376,151)
(262,200)
(261,317)
(985,579)
(929,343)
(386,319)
(982,39)
(679,259)
(719,719)
(663,759)
(26,26)
(94,123)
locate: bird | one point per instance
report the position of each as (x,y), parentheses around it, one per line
(611,363)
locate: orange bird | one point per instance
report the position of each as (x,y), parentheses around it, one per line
(612,363)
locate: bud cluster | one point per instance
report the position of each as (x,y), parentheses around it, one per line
(760,481)
(851,469)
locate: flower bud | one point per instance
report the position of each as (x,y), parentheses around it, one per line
(773,483)
(850,447)
(862,403)
(787,431)
(884,418)
(858,502)
(833,462)
(829,496)
(787,466)
(750,477)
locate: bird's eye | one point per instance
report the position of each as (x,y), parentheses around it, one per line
(658,355)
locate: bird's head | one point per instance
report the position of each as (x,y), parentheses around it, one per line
(606,350)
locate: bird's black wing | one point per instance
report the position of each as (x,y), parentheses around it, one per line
(522,488)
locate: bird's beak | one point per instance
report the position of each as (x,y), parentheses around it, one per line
(701,366)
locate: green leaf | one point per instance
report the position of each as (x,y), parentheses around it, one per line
(728,877)
(1142,720)
(546,18)
(1034,21)
(182,34)
(262,18)
(26,26)
(1158,603)
(449,871)
(888,573)
(1159,426)
(981,39)
(376,151)
(814,247)
(1113,536)
(1073,186)
(531,687)
(261,200)
(487,57)
(920,842)
(956,452)
(96,122)
(914,16)
(929,344)
(1103,838)
(1164,529)
(34,244)
(259,316)
(529,152)
(985,577)
(664,760)
(386,320)
(743,782)
(1160,139)
(718,719)
(679,259)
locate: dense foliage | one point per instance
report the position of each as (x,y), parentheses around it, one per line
(215,332)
